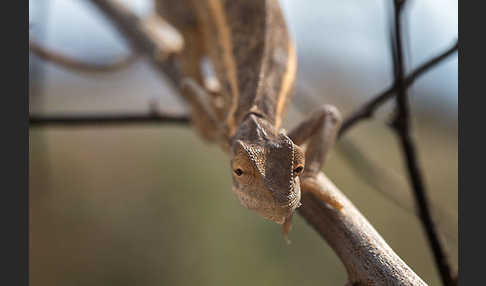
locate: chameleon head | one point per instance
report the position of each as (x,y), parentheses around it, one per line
(266,172)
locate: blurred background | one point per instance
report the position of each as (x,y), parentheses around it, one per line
(152,205)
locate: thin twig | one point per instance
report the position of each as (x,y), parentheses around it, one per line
(380,178)
(401,125)
(78,65)
(105,119)
(367,110)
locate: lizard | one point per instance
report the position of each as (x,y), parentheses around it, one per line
(255,62)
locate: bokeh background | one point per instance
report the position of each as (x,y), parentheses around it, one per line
(152,205)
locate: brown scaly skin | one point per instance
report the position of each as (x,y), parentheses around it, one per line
(255,62)
(266,167)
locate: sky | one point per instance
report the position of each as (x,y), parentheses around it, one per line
(351,38)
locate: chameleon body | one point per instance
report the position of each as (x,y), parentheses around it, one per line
(254,59)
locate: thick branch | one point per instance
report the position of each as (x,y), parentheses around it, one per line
(143,40)
(367,110)
(366,256)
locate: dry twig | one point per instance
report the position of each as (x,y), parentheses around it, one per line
(78,65)
(105,119)
(401,125)
(368,109)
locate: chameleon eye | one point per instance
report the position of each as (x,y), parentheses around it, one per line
(238,172)
(298,170)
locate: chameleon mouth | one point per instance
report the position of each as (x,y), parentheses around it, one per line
(271,210)
(294,196)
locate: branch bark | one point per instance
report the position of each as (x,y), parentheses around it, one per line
(134,31)
(366,256)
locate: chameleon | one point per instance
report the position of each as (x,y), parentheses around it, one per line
(242,109)
(255,63)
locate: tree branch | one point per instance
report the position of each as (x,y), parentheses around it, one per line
(401,125)
(380,178)
(77,65)
(367,110)
(366,256)
(105,119)
(142,39)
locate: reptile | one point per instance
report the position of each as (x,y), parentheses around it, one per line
(242,107)
(255,62)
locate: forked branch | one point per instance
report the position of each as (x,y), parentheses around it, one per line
(401,126)
(368,109)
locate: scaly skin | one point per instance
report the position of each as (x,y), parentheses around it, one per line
(255,62)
